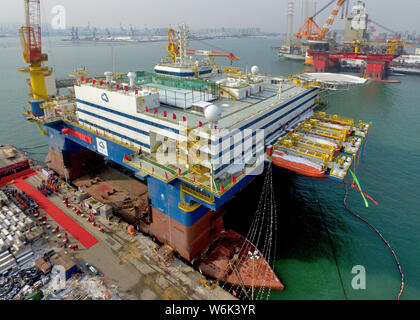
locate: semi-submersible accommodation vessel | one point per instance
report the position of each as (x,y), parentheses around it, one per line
(193,133)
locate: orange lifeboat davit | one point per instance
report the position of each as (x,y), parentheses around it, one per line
(298,164)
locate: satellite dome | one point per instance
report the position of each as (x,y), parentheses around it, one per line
(132,77)
(255,69)
(212,113)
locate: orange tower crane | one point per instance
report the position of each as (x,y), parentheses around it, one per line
(311,31)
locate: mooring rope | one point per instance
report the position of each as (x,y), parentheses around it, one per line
(265,214)
(380,235)
(35,147)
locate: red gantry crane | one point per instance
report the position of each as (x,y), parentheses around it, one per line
(32,49)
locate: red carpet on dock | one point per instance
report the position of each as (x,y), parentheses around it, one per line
(80,234)
(21,174)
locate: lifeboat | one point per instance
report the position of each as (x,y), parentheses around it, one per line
(298,164)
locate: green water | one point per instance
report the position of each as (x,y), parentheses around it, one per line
(306,264)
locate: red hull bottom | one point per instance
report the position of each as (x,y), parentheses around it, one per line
(257,272)
(298,167)
(190,241)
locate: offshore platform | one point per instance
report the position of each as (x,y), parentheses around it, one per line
(193,135)
(319,48)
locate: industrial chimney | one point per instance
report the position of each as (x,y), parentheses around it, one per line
(290,14)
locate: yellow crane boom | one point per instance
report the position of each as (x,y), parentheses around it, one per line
(30,35)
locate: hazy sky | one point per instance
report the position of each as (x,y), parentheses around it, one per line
(266,14)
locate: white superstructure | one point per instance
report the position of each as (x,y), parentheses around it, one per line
(168,125)
(252,109)
(409,59)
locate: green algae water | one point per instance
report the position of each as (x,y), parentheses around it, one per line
(319,242)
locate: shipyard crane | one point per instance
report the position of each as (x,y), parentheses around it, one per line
(132,32)
(123,31)
(147,32)
(396,35)
(173,49)
(206,53)
(30,35)
(311,31)
(173,45)
(394,47)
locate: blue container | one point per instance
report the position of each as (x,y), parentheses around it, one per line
(71,271)
(36,108)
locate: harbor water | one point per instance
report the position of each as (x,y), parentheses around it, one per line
(319,242)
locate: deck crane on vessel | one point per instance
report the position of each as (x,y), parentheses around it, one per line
(393,46)
(173,49)
(30,35)
(395,35)
(311,31)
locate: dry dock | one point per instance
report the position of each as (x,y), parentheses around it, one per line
(127,263)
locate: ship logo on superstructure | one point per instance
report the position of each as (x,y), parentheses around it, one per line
(104,97)
(102,146)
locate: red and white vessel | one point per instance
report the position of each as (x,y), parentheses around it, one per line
(298,164)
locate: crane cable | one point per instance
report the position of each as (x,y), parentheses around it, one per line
(265,202)
(323,8)
(48,36)
(252,230)
(380,235)
(211,45)
(382,26)
(35,147)
(270,233)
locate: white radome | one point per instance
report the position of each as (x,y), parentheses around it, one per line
(132,77)
(255,69)
(212,113)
